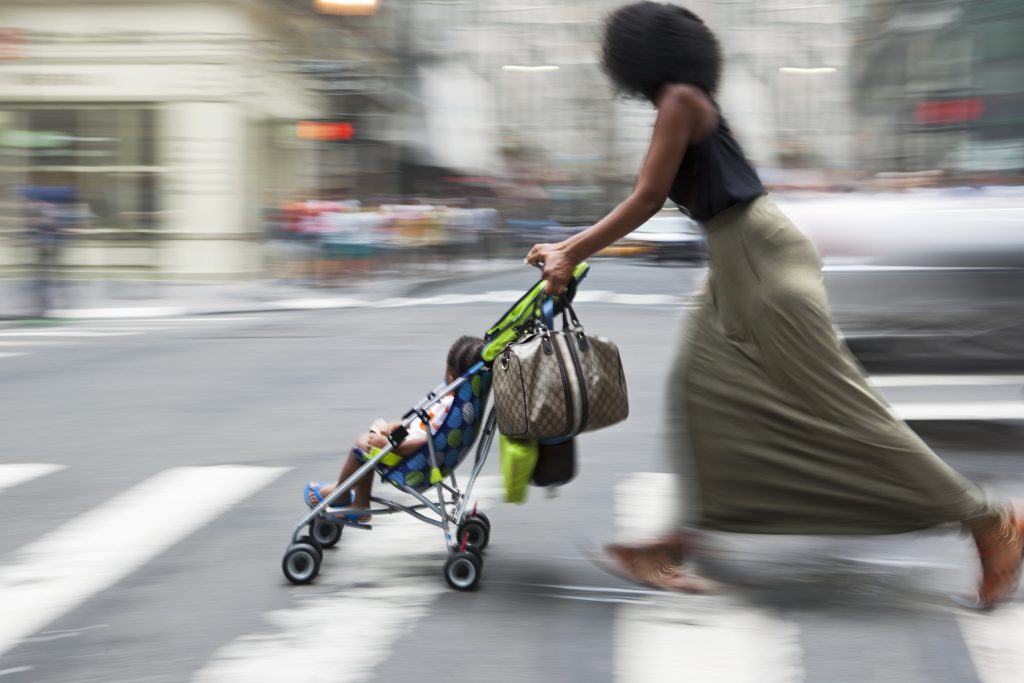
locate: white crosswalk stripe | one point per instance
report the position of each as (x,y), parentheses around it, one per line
(719,638)
(882,381)
(700,638)
(994,643)
(12,474)
(962,411)
(99,547)
(381,582)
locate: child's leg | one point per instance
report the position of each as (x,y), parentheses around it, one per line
(364,486)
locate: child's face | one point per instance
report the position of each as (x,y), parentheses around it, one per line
(449,376)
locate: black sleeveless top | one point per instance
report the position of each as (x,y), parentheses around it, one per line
(714,175)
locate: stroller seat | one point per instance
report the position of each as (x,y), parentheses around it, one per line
(451,444)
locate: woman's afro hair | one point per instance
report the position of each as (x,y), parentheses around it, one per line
(648,44)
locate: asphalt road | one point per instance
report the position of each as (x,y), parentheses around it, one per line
(151,473)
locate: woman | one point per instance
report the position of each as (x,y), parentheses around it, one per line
(786,435)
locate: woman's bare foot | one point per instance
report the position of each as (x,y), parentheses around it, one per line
(683,579)
(1000,548)
(650,563)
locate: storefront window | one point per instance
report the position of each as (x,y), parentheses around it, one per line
(101,158)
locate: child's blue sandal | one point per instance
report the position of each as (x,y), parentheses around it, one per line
(312,493)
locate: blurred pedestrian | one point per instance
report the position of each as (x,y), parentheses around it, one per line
(45,227)
(785,434)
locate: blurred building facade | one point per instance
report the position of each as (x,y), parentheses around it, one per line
(177,124)
(940,85)
(165,124)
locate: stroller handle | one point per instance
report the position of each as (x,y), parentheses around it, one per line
(508,327)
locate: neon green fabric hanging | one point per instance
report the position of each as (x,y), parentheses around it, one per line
(518,458)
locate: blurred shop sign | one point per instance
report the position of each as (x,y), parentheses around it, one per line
(940,112)
(11,41)
(325,130)
(347,7)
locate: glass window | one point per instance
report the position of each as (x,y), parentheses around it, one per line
(102,158)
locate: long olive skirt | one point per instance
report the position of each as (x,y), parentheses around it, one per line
(785,434)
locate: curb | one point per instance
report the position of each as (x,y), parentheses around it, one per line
(398,288)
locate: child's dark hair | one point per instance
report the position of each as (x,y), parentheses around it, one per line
(648,44)
(464,354)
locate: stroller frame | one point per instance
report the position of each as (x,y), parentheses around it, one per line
(325,522)
(457,498)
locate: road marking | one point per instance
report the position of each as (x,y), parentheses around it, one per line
(944,380)
(47,636)
(869,268)
(133,329)
(60,333)
(496,296)
(993,641)
(128,312)
(979,410)
(706,639)
(168,322)
(700,638)
(12,474)
(92,552)
(31,342)
(382,583)
(15,670)
(315,303)
(603,296)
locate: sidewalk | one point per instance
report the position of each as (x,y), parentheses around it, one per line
(152,299)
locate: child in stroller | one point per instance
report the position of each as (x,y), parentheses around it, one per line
(462,355)
(418,456)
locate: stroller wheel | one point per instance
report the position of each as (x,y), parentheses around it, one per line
(314,544)
(301,563)
(483,518)
(477,553)
(462,571)
(479,532)
(325,531)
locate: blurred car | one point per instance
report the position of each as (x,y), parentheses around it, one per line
(529,232)
(669,236)
(926,280)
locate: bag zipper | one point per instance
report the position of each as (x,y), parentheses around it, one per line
(584,400)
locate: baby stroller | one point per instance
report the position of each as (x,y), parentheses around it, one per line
(429,475)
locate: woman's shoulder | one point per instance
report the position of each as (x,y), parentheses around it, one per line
(695,102)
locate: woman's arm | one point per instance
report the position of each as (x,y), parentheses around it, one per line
(684,113)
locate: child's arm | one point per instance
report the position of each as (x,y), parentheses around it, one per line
(411,445)
(407,447)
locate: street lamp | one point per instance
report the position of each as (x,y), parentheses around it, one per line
(347,7)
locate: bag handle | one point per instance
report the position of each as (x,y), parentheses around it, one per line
(569,314)
(576,327)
